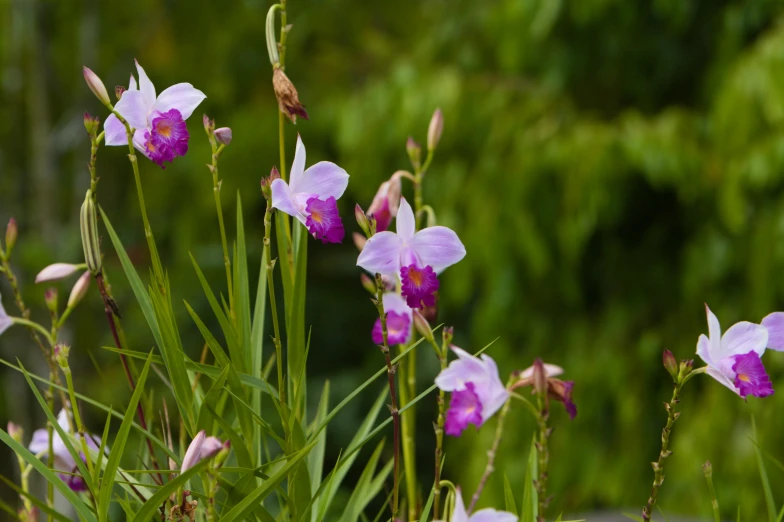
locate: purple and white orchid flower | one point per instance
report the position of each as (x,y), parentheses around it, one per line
(311,196)
(400,321)
(159,122)
(477,391)
(459,514)
(416,256)
(734,359)
(5,320)
(63,461)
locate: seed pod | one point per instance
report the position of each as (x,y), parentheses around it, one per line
(88,221)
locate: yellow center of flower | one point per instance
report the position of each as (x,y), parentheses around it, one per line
(743,377)
(164,129)
(416,277)
(315,216)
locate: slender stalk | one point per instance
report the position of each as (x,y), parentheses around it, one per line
(440,400)
(391,380)
(499,431)
(273,302)
(658,466)
(24,478)
(216,187)
(408,430)
(419,175)
(78,418)
(34,326)
(543,454)
(708,470)
(282,120)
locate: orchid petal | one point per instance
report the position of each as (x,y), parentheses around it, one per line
(132,84)
(55,272)
(139,141)
(114,131)
(437,247)
(466,369)
(723,379)
(40,442)
(703,349)
(406,222)
(133,108)
(393,302)
(744,337)
(182,96)
(550,370)
(459,512)
(145,87)
(493,515)
(714,333)
(775,324)
(381,254)
(193,453)
(5,320)
(324,180)
(282,200)
(298,166)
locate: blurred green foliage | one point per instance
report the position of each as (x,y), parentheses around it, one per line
(610,166)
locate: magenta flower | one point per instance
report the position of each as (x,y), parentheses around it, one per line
(733,359)
(311,196)
(416,256)
(5,320)
(477,391)
(400,320)
(459,514)
(63,461)
(386,202)
(159,122)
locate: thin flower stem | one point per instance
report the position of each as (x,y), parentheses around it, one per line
(216,187)
(441,352)
(658,466)
(50,439)
(34,326)
(394,410)
(419,174)
(499,431)
(408,430)
(543,454)
(273,303)
(78,419)
(282,119)
(28,505)
(708,470)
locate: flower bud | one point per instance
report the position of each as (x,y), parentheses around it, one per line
(266,183)
(223,135)
(15,431)
(11,233)
(91,124)
(50,296)
(707,468)
(96,85)
(79,289)
(220,458)
(119,90)
(61,352)
(359,240)
(423,327)
(288,98)
(540,378)
(414,150)
(193,454)
(685,368)
(362,220)
(91,243)
(209,125)
(447,334)
(211,447)
(670,363)
(368,283)
(55,272)
(435,129)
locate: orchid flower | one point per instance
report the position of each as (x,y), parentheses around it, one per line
(734,359)
(386,202)
(159,122)
(459,514)
(63,461)
(477,391)
(200,448)
(400,320)
(311,196)
(5,320)
(416,256)
(544,375)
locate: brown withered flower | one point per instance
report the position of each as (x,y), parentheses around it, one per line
(288,99)
(541,377)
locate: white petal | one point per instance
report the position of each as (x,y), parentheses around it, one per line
(492,515)
(282,200)
(703,349)
(324,180)
(459,513)
(381,254)
(145,87)
(406,223)
(744,337)
(182,96)
(550,370)
(438,247)
(393,302)
(132,86)
(133,108)
(723,379)
(114,131)
(55,272)
(298,166)
(40,442)
(139,142)
(714,333)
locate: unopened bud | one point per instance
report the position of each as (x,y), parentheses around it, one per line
(707,468)
(447,334)
(368,283)
(670,363)
(423,327)
(414,150)
(685,368)
(91,243)
(540,378)
(362,220)
(435,129)
(50,297)
(193,454)
(79,289)
(359,240)
(220,458)
(223,135)
(119,90)
(91,124)
(11,233)
(15,431)
(266,183)
(96,85)
(61,352)
(209,125)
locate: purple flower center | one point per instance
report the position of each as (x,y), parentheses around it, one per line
(398,328)
(464,408)
(324,221)
(383,216)
(750,375)
(419,285)
(167,138)
(74,480)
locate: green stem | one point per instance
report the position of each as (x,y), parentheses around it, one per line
(441,352)
(499,431)
(78,419)
(34,326)
(408,441)
(216,186)
(50,438)
(543,454)
(273,302)
(707,468)
(419,174)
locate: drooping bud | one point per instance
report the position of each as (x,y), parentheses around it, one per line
(55,272)
(50,297)
(91,243)
(288,98)
(670,363)
(119,90)
(359,240)
(368,283)
(96,85)
(435,129)
(79,289)
(362,220)
(414,150)
(91,125)
(423,327)
(540,378)
(11,233)
(266,183)
(223,135)
(193,454)
(61,352)
(15,431)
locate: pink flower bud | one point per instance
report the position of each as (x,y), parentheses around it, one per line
(368,283)
(15,431)
(11,233)
(362,220)
(55,272)
(96,85)
(91,124)
(670,363)
(447,334)
(61,352)
(119,90)
(211,447)
(422,326)
(193,454)
(414,150)
(79,289)
(209,125)
(223,135)
(435,129)
(50,296)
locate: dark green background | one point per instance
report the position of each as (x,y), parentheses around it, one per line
(609,164)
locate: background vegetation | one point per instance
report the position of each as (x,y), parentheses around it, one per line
(610,166)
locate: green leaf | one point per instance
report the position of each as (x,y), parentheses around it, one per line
(295,324)
(113,462)
(509,496)
(46,510)
(316,457)
(81,509)
(242,292)
(366,487)
(769,501)
(153,504)
(257,342)
(428,506)
(529,510)
(206,418)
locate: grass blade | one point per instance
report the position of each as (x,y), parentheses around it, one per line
(769,501)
